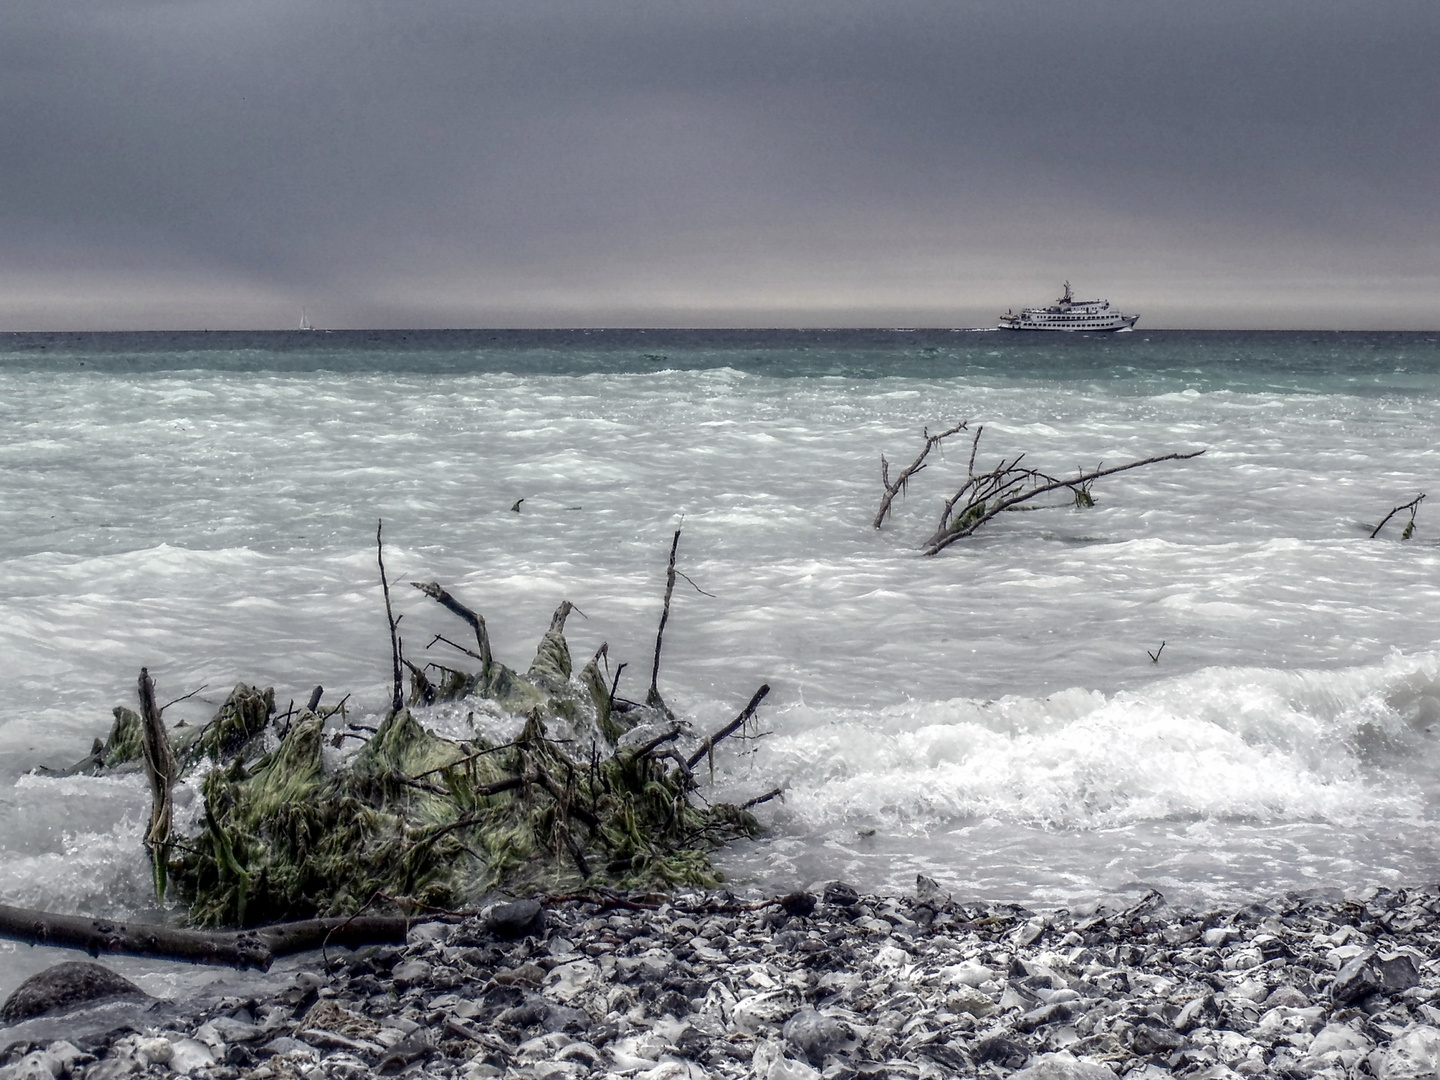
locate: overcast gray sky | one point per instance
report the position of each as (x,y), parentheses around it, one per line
(220,163)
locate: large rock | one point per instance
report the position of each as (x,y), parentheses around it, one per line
(64,987)
(520,919)
(1063,1066)
(1414,1055)
(1356,980)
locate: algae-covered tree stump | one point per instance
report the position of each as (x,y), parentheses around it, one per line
(298,823)
(424,822)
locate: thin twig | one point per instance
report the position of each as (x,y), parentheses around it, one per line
(645,748)
(397,692)
(778,793)
(697,588)
(1412,506)
(183,697)
(653,697)
(463,761)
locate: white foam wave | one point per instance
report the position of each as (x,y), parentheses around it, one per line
(1256,744)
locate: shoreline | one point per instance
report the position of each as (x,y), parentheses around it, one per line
(819,984)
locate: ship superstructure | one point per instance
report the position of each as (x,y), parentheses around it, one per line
(1070,314)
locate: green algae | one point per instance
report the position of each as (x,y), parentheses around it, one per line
(416,821)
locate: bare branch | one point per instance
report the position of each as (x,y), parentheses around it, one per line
(1412,506)
(903,480)
(777,793)
(1006,487)
(653,697)
(192,693)
(433,590)
(397,691)
(730,728)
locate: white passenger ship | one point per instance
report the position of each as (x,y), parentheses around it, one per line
(1067,313)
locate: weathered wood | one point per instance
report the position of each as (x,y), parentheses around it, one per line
(903,480)
(239,949)
(162,772)
(653,698)
(397,691)
(433,590)
(1008,486)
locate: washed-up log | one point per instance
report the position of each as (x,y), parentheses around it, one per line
(239,949)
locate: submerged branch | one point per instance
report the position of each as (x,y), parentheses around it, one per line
(1413,505)
(1008,486)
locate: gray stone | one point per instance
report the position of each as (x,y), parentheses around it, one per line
(415,1046)
(520,919)
(1397,974)
(1148,1038)
(841,895)
(816,1036)
(1414,1055)
(411,972)
(65,987)
(1063,1067)
(1354,981)
(930,893)
(190,1055)
(564,1018)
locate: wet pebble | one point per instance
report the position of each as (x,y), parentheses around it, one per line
(826,983)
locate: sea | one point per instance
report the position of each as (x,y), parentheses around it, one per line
(1215,682)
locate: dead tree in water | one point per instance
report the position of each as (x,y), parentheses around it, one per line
(1008,486)
(1413,505)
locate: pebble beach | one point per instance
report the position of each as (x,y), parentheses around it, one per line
(823,982)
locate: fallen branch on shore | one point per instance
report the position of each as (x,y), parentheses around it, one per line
(255,948)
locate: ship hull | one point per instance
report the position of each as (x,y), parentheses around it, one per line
(1118,328)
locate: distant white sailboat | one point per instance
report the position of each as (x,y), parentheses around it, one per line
(304,322)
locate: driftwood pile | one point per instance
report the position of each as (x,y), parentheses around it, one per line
(297,823)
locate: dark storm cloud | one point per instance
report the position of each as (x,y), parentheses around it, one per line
(667,161)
